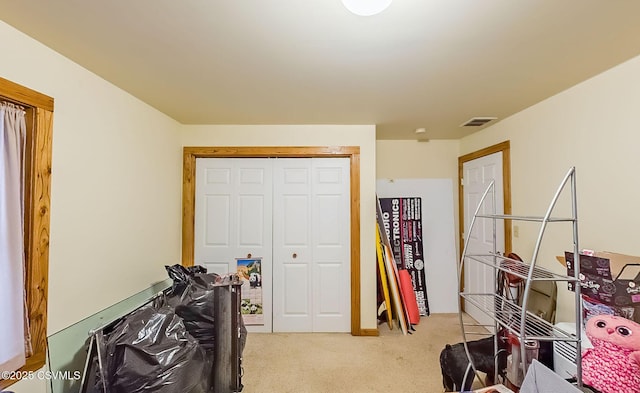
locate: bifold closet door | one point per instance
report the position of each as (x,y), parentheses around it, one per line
(311,245)
(295,214)
(233,219)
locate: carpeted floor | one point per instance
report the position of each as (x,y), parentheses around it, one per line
(341,363)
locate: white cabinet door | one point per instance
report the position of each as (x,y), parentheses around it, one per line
(311,245)
(477,174)
(233,219)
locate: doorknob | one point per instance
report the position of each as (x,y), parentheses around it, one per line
(294,255)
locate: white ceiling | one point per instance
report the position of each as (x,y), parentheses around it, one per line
(420,63)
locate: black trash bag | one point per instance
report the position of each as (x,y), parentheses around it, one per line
(181,276)
(193,299)
(151,351)
(192,296)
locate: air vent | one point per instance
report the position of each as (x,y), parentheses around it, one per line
(477,121)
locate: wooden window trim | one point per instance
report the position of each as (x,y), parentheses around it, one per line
(39,108)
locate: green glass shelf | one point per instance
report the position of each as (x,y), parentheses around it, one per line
(67,349)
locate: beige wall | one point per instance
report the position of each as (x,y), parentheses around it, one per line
(116,181)
(594,127)
(436,159)
(320,135)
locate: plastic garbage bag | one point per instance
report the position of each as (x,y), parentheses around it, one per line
(192,296)
(151,351)
(193,299)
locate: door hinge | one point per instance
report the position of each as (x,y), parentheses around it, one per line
(462,181)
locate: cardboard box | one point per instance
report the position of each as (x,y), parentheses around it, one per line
(610,284)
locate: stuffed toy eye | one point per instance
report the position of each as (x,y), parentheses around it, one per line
(623,331)
(601,324)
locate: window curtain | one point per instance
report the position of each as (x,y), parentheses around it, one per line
(12,269)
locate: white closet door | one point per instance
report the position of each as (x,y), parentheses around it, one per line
(331,244)
(233,218)
(292,254)
(295,214)
(311,245)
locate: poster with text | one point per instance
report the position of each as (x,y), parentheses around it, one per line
(402,219)
(250,273)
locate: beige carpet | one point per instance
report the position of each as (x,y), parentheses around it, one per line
(337,363)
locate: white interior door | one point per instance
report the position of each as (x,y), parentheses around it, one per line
(477,175)
(233,219)
(311,245)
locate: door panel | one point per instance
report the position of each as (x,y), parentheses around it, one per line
(233,218)
(251,214)
(292,246)
(312,239)
(328,274)
(295,282)
(477,175)
(296,228)
(218,220)
(331,244)
(330,206)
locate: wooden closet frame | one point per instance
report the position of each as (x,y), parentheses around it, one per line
(352,152)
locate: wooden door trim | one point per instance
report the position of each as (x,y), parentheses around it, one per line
(190,153)
(505,148)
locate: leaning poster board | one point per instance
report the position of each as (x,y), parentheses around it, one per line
(402,219)
(439,237)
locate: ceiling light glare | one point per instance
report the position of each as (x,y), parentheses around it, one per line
(366,7)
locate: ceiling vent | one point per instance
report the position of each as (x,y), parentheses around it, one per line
(477,121)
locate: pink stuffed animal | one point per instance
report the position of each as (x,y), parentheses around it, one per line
(613,364)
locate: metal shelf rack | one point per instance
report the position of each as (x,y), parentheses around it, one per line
(505,312)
